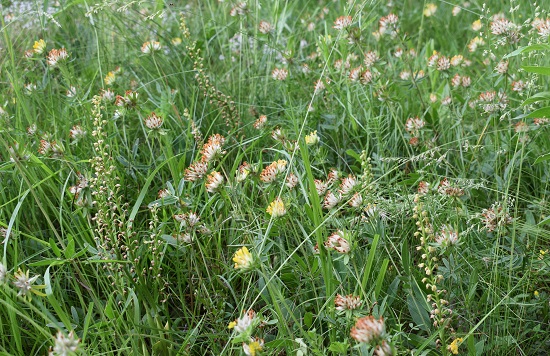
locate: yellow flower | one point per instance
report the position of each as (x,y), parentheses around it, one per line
(232,325)
(243,259)
(430,9)
(476,25)
(276,208)
(453,347)
(536,293)
(176,41)
(312,138)
(39,46)
(254,347)
(110,78)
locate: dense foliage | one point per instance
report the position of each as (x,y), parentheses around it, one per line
(304,177)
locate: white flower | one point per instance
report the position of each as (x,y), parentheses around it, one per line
(65,346)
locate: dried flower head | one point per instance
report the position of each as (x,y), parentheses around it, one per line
(196,171)
(76,133)
(338,242)
(348,185)
(56,55)
(265,27)
(348,302)
(342,22)
(423,187)
(279,74)
(239,9)
(414,125)
(320,186)
(331,200)
(291,180)
(388,25)
(214,181)
(213,148)
(447,236)
(153,121)
(242,172)
(495,217)
(356,200)
(260,123)
(445,188)
(25,284)
(270,173)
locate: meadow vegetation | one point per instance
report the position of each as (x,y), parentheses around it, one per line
(274,177)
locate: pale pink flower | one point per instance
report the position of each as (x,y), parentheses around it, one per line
(368,329)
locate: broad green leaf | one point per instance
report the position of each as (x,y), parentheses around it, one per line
(537,69)
(542,112)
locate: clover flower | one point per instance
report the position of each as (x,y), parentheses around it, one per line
(368,329)
(150,47)
(65,345)
(213,181)
(348,302)
(338,243)
(342,22)
(39,46)
(243,258)
(277,208)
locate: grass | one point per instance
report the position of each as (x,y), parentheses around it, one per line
(281,177)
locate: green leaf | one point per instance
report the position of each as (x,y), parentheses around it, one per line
(69,250)
(48,262)
(542,112)
(339,347)
(370,260)
(170,200)
(354,154)
(380,279)
(537,69)
(55,249)
(308,319)
(542,158)
(406,257)
(544,222)
(545,95)
(535,47)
